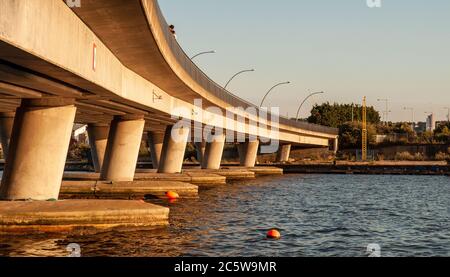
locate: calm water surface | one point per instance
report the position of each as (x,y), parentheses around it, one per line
(318,215)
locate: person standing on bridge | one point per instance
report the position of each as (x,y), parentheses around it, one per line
(172,31)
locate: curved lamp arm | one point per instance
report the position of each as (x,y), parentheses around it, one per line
(235,75)
(307,97)
(202,53)
(277,85)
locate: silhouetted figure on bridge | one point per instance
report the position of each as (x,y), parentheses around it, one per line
(172,31)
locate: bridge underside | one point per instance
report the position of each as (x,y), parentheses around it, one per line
(18,82)
(113,83)
(103,65)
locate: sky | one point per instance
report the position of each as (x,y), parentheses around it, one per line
(399,51)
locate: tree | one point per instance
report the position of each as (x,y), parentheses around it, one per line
(350,135)
(426,137)
(337,114)
(442,133)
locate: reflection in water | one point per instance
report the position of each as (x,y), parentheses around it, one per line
(38,246)
(318,215)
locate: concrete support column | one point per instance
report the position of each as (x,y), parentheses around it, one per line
(6,125)
(38,149)
(200,148)
(213,152)
(336,145)
(283,153)
(155,143)
(174,147)
(98,139)
(248,153)
(122,150)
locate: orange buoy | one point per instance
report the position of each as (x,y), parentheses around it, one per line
(273,234)
(172,195)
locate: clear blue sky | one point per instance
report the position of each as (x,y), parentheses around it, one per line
(400,51)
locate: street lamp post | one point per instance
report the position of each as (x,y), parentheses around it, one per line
(412,113)
(448,114)
(307,97)
(386,111)
(272,88)
(202,53)
(353,112)
(413,124)
(235,75)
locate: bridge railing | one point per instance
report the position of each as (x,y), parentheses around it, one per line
(212,87)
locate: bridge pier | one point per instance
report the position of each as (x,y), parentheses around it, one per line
(174,147)
(6,125)
(248,153)
(38,149)
(200,148)
(98,139)
(336,145)
(122,150)
(283,153)
(155,143)
(213,152)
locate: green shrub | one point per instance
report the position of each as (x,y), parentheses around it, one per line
(419,157)
(441,156)
(78,151)
(404,156)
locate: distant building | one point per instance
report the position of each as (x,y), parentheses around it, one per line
(380,138)
(420,127)
(431,123)
(79,133)
(395,137)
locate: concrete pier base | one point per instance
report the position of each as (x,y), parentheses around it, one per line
(283,153)
(248,153)
(38,149)
(203,179)
(6,125)
(125,190)
(213,152)
(124,141)
(172,155)
(79,216)
(155,143)
(231,174)
(196,178)
(98,139)
(266,170)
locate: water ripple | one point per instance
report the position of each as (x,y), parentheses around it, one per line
(318,215)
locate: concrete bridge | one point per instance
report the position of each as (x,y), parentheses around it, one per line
(115,66)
